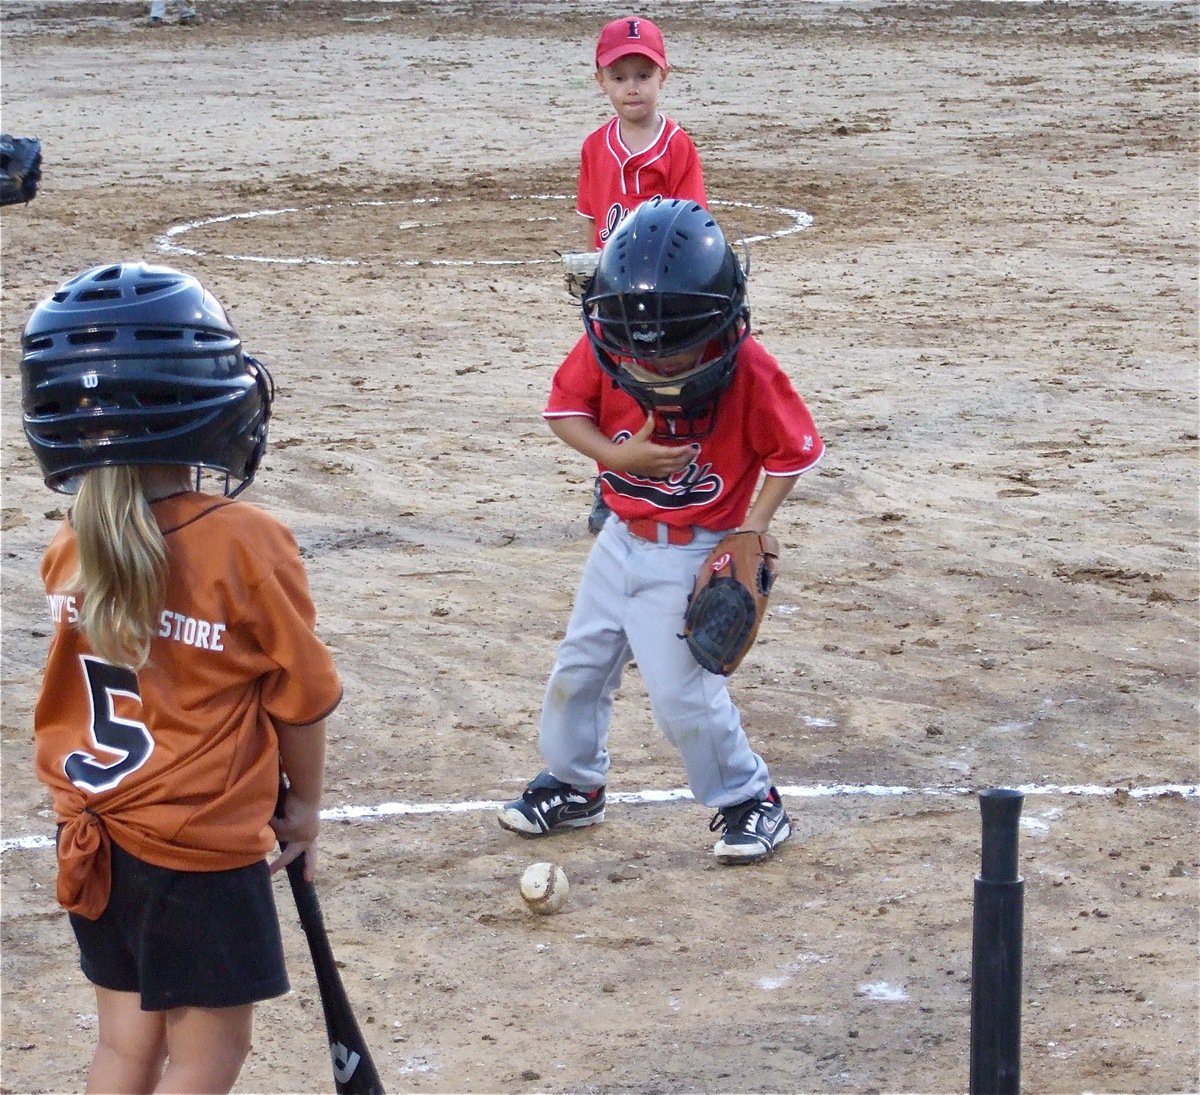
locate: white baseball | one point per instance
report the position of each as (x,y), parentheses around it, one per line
(544,887)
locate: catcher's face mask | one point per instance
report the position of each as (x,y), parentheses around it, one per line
(666,313)
(681,390)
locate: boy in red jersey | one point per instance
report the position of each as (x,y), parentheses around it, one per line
(639,153)
(636,155)
(684,412)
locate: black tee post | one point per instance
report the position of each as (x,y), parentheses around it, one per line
(996,949)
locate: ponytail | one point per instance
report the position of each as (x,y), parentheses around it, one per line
(122,565)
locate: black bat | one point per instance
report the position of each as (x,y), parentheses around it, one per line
(354,1071)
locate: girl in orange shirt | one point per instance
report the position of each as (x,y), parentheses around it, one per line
(183,677)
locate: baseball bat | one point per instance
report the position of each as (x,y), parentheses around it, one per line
(354,1071)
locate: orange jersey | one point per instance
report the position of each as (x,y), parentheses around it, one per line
(180,759)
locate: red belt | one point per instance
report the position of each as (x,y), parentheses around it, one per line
(646,528)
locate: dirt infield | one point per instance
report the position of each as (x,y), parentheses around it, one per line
(990,579)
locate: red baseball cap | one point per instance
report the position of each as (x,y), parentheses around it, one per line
(629,35)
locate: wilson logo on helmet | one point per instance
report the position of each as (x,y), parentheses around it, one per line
(178,387)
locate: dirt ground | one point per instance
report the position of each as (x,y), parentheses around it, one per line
(991,579)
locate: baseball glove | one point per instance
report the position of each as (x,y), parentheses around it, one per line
(578,269)
(20,168)
(729,599)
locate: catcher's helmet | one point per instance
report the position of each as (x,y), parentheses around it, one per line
(668,283)
(136,364)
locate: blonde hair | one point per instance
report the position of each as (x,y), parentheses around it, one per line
(122,565)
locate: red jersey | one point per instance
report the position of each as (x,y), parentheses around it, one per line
(180,759)
(761,425)
(613,180)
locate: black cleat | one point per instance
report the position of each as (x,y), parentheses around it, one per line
(548,803)
(752,829)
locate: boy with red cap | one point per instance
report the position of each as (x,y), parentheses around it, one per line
(639,153)
(636,155)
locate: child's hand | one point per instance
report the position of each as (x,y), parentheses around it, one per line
(297,831)
(642,456)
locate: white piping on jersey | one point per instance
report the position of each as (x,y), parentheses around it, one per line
(798,471)
(615,146)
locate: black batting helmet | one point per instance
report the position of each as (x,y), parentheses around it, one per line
(667,283)
(129,363)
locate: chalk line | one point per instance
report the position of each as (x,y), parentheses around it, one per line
(682,794)
(170,242)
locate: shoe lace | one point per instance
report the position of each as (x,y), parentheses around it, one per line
(743,816)
(561,792)
(540,796)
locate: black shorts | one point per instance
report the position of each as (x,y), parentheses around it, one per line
(205,939)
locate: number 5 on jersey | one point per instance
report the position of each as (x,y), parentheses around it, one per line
(126,739)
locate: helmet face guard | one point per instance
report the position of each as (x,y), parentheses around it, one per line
(130,364)
(667,286)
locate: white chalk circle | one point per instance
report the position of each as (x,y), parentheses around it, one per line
(171,241)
